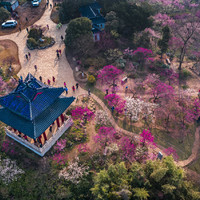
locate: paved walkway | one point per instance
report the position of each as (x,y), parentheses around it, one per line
(48,65)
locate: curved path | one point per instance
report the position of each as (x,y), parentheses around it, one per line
(48,65)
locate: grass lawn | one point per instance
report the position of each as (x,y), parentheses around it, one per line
(183,149)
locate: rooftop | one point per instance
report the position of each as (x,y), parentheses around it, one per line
(33,106)
(30,98)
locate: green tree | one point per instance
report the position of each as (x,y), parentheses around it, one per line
(141,193)
(163,43)
(69,9)
(143,40)
(108,6)
(79,36)
(108,184)
(112,22)
(144,181)
(132,18)
(4,14)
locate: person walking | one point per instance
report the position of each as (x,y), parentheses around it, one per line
(35,66)
(26,57)
(27,30)
(113,108)
(66,90)
(50,6)
(40,78)
(106,91)
(64,84)
(59,51)
(26,19)
(58,56)
(47,26)
(89,92)
(61,37)
(49,82)
(76,85)
(126,89)
(29,55)
(73,88)
(20,29)
(53,78)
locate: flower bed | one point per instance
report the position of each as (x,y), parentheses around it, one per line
(48,42)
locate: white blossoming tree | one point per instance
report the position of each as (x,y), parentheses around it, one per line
(9,171)
(101,117)
(74,172)
(137,108)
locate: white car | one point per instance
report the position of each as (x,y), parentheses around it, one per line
(35,3)
(9,24)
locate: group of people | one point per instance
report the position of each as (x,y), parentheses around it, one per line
(28,56)
(53,79)
(47,4)
(73,87)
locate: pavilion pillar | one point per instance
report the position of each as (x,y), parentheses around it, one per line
(40,139)
(62,118)
(58,123)
(25,137)
(45,137)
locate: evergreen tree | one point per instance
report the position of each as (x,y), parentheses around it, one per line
(163,43)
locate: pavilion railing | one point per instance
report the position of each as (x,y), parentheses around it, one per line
(48,144)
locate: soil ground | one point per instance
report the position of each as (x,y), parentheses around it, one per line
(9,55)
(26,10)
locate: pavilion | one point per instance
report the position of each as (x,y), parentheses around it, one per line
(35,114)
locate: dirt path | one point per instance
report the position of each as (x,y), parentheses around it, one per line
(195,150)
(48,65)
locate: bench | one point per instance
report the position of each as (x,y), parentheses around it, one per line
(124,80)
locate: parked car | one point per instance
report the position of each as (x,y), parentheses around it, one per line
(9,24)
(35,3)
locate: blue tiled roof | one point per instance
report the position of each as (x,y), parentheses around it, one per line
(37,126)
(98,20)
(91,11)
(30,98)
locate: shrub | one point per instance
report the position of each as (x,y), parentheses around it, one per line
(91,79)
(96,62)
(4,14)
(185,74)
(32,42)
(35,33)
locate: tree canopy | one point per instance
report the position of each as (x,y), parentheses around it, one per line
(4,14)
(152,180)
(79,35)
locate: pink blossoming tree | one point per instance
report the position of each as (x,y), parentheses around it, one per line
(116,101)
(147,138)
(127,149)
(105,136)
(109,75)
(82,113)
